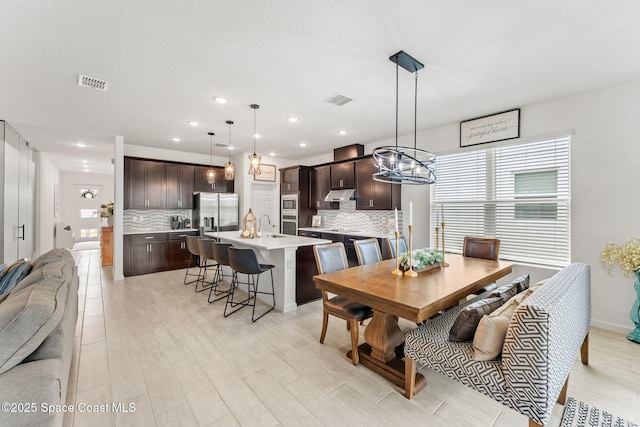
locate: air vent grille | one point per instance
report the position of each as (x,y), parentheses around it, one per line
(93,83)
(338,100)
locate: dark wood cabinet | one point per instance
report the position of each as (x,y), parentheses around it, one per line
(320,183)
(289,180)
(179,186)
(371,194)
(144,184)
(153,252)
(221,185)
(178,255)
(342,175)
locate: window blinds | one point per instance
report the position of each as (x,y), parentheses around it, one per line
(519,194)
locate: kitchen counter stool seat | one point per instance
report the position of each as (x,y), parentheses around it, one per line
(245,261)
(207,263)
(221,257)
(194,252)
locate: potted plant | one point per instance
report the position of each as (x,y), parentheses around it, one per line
(627,257)
(420,258)
(106,211)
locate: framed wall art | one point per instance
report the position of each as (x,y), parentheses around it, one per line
(267,173)
(491,128)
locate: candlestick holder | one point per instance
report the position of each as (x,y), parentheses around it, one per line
(397,271)
(437,236)
(444,263)
(410,272)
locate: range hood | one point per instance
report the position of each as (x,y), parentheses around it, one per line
(339,195)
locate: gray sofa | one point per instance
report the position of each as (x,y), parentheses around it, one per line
(37,329)
(543,337)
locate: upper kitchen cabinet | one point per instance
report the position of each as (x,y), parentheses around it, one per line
(374,195)
(342,175)
(179,186)
(144,184)
(320,178)
(290,180)
(220,185)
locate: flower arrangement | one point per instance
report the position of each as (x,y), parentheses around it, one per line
(420,258)
(247,234)
(626,256)
(106,210)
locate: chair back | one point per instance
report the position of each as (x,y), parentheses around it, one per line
(391,245)
(331,257)
(192,245)
(204,248)
(221,252)
(479,247)
(244,261)
(367,251)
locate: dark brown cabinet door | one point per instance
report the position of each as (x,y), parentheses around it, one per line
(371,194)
(342,176)
(158,260)
(179,186)
(289,181)
(156,184)
(144,184)
(178,254)
(221,185)
(320,186)
(145,253)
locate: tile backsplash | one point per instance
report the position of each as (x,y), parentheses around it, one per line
(152,219)
(350,219)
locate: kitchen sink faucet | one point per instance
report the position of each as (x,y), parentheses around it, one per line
(260,223)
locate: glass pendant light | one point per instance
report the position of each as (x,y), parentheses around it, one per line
(254,159)
(229,168)
(405,165)
(211,173)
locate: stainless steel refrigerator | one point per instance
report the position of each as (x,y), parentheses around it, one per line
(215,212)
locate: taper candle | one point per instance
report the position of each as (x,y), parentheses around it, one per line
(410,213)
(397,219)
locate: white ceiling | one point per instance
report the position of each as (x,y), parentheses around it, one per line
(165,60)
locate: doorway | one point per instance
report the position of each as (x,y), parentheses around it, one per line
(88,198)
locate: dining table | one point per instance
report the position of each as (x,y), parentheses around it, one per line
(416,299)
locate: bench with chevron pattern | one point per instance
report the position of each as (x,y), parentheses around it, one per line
(545,334)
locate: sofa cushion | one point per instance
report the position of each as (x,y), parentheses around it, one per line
(27,317)
(16,272)
(59,270)
(53,255)
(492,329)
(467,321)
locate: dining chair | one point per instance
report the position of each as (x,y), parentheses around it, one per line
(329,258)
(391,245)
(245,261)
(221,257)
(484,248)
(367,251)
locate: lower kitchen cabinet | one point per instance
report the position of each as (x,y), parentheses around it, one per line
(149,253)
(306,268)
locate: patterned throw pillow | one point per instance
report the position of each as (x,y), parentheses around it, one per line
(16,272)
(464,327)
(508,291)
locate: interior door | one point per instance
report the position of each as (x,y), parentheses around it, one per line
(26,210)
(263,202)
(11,195)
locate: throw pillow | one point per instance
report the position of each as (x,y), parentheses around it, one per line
(28,317)
(3,270)
(464,327)
(508,291)
(492,329)
(16,273)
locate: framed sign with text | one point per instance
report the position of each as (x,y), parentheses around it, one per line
(492,128)
(267,173)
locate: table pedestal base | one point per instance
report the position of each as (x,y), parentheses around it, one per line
(392,370)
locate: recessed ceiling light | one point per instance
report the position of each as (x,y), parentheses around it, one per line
(81,145)
(256,135)
(292,119)
(220,99)
(85,166)
(272,154)
(83,161)
(175,139)
(87,170)
(192,123)
(342,132)
(303,144)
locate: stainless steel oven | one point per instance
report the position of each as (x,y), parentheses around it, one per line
(289,214)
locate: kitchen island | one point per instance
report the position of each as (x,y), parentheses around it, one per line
(280,250)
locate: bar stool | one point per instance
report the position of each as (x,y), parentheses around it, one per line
(207,263)
(221,257)
(192,247)
(245,261)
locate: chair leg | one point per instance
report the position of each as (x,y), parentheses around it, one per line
(255,297)
(534,424)
(355,358)
(562,397)
(325,321)
(584,350)
(409,377)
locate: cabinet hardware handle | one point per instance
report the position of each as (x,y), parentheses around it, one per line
(148,237)
(19,227)
(183,235)
(352,240)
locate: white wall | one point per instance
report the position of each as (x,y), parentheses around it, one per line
(604,182)
(47,177)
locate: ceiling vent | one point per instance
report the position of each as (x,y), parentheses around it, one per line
(338,100)
(93,83)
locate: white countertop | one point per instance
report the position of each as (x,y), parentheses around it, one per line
(378,235)
(170,230)
(268,243)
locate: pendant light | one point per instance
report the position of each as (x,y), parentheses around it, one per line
(211,173)
(405,165)
(229,168)
(254,159)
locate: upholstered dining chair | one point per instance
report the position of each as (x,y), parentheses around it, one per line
(391,245)
(367,251)
(484,248)
(329,258)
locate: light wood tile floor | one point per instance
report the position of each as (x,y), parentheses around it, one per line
(152,342)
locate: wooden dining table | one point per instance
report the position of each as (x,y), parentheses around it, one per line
(414,298)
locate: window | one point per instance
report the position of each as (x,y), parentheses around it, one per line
(517,193)
(88,232)
(88,213)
